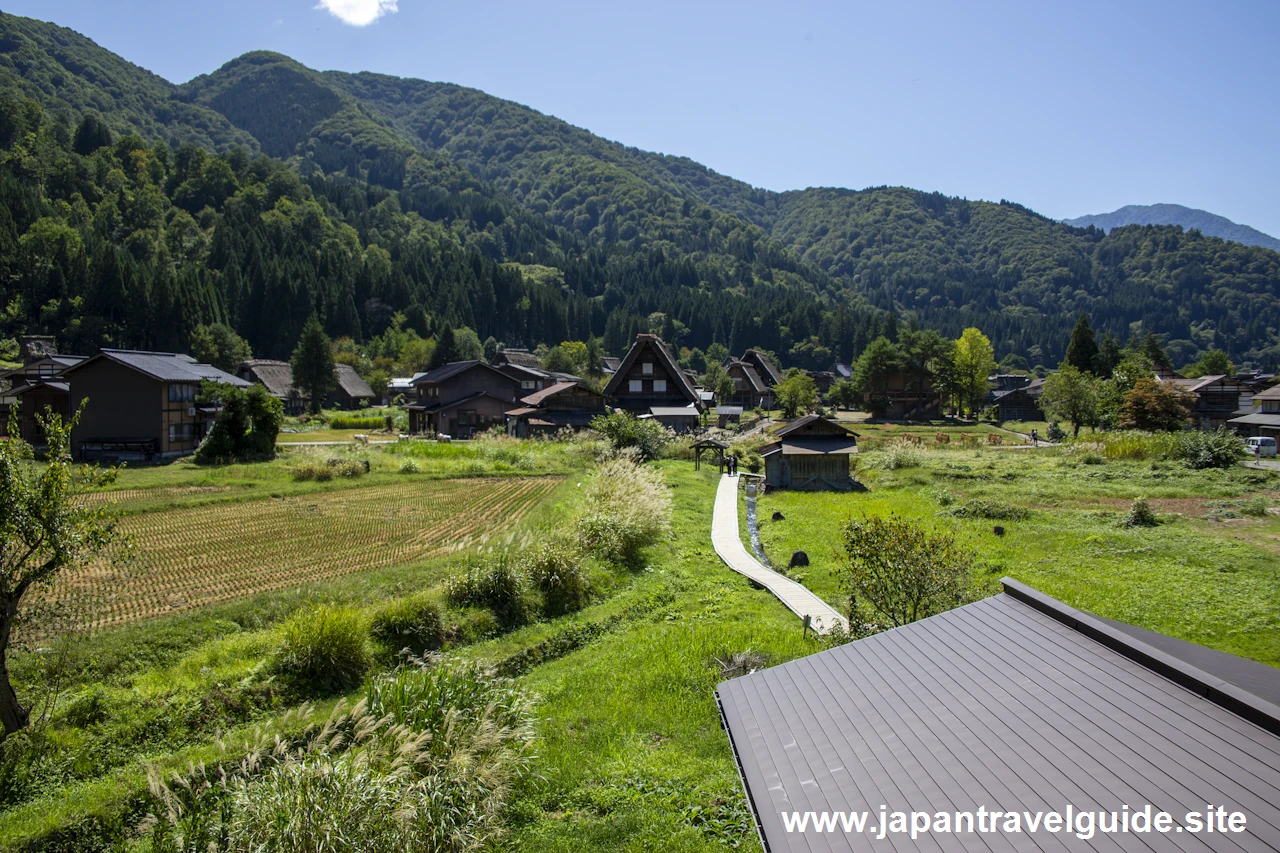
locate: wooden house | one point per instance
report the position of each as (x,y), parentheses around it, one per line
(749,388)
(811,453)
(461,399)
(726,415)
(351,392)
(649,378)
(563,405)
(141,406)
(40,398)
(1021,403)
(277,378)
(679,419)
(764,366)
(1217,399)
(904,398)
(518,357)
(1264,419)
(41,366)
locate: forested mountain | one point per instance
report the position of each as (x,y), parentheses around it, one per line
(1175,214)
(427,198)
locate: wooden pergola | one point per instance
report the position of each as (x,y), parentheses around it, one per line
(709,445)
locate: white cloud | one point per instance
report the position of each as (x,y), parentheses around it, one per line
(359,13)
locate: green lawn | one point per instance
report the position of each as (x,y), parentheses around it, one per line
(1209,573)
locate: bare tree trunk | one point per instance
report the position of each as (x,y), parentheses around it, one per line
(13,716)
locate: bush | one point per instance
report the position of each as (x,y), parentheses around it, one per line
(1140,515)
(1256,506)
(1055,432)
(498,586)
(323,651)
(1201,449)
(981,508)
(313,471)
(409,466)
(555,570)
(365,424)
(897,572)
(624,430)
(900,453)
(1134,445)
(412,623)
(628,509)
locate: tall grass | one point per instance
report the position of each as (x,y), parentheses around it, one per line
(1135,446)
(628,508)
(424,762)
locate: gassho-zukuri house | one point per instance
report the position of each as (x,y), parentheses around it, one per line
(810,453)
(1015,723)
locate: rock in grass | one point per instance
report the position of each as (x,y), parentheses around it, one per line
(998,530)
(799,558)
(777,516)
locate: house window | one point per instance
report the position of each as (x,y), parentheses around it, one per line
(659,386)
(636,386)
(181,432)
(527,385)
(647,368)
(182,393)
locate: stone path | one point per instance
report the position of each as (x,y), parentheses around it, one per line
(728,544)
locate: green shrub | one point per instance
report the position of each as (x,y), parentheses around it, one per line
(1055,432)
(324,650)
(555,570)
(624,430)
(1256,506)
(897,572)
(982,508)
(313,471)
(409,466)
(412,623)
(628,509)
(944,497)
(499,586)
(1140,515)
(1219,448)
(365,424)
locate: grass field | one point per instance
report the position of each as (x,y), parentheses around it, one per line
(188,558)
(1209,573)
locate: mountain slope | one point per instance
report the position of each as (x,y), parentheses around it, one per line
(67,73)
(1175,214)
(637,233)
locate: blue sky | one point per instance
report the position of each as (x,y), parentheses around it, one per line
(1068,108)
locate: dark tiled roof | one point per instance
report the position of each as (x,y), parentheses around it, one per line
(445,371)
(165,366)
(537,398)
(1269,394)
(1015,703)
(351,383)
(43,383)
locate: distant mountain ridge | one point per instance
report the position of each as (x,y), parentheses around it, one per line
(1203,221)
(809,274)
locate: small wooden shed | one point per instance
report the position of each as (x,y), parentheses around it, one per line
(811,453)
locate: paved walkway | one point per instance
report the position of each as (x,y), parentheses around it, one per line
(728,544)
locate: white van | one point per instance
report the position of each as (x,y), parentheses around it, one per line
(1261,446)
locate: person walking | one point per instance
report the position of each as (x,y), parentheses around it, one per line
(1035,438)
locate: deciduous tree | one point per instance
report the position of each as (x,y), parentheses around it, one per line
(1156,406)
(45,529)
(972,363)
(1071,395)
(796,394)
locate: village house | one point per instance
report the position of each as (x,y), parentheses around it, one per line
(649,379)
(764,366)
(461,399)
(518,357)
(678,419)
(565,405)
(277,378)
(726,415)
(351,392)
(811,453)
(1262,420)
(749,388)
(1217,399)
(1017,397)
(141,406)
(904,397)
(42,369)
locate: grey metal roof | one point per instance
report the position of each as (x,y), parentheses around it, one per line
(1257,419)
(728,410)
(1014,703)
(815,445)
(164,366)
(674,412)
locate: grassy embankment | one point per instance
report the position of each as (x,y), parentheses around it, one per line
(1208,573)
